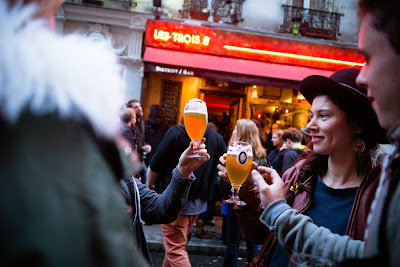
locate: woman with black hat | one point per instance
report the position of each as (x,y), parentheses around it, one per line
(336,184)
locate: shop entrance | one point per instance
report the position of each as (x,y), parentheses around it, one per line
(223,111)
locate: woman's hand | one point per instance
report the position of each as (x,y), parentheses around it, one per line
(187,165)
(222,169)
(270,184)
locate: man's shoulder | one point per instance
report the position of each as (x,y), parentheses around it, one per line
(177,129)
(213,134)
(176,134)
(292,151)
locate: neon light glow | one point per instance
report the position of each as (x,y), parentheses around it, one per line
(288,55)
(215,105)
(177,37)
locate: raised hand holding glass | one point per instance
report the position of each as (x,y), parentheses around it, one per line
(195,119)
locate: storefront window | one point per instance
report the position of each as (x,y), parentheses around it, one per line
(284,106)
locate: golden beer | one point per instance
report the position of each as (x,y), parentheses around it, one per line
(237,172)
(195,124)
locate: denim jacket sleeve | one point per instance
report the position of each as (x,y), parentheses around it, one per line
(298,234)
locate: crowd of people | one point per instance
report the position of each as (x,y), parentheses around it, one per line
(78,184)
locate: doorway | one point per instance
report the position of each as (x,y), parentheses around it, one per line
(223,111)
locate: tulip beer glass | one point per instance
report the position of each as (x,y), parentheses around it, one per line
(195,119)
(238,165)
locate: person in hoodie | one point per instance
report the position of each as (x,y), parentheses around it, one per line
(60,158)
(60,203)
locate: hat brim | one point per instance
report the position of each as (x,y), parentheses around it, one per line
(316,85)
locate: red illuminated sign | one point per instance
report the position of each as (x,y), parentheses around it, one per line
(178,37)
(234,43)
(289,55)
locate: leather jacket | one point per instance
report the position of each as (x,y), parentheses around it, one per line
(259,233)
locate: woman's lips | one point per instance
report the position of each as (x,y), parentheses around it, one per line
(316,138)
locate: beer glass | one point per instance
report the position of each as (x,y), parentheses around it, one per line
(238,163)
(195,119)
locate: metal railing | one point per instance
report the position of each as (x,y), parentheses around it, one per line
(127,3)
(226,11)
(311,22)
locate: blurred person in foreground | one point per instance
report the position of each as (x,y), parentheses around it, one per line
(336,184)
(60,201)
(380,45)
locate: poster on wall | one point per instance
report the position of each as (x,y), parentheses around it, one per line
(170,101)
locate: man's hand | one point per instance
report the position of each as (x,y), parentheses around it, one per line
(187,165)
(270,184)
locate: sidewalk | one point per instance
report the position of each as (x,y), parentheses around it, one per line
(210,244)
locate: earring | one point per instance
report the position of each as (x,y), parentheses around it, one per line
(359,147)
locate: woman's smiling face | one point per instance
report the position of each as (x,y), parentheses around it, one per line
(330,131)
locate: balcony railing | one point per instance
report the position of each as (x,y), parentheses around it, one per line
(224,11)
(311,22)
(112,3)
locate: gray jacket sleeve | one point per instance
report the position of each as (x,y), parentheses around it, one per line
(165,208)
(298,234)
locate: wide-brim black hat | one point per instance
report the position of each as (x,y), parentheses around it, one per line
(341,84)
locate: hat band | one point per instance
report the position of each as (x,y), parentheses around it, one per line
(355,90)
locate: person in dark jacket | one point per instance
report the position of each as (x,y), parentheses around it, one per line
(60,203)
(292,138)
(155,128)
(275,156)
(127,123)
(174,142)
(142,148)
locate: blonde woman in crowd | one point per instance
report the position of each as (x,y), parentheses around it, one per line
(245,131)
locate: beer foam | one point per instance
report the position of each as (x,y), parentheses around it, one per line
(236,151)
(195,111)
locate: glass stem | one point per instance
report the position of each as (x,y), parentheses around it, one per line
(235,193)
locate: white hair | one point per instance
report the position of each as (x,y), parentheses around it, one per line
(45,73)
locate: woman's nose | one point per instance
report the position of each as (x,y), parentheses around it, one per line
(311,126)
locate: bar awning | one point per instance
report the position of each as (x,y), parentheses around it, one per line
(230,69)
